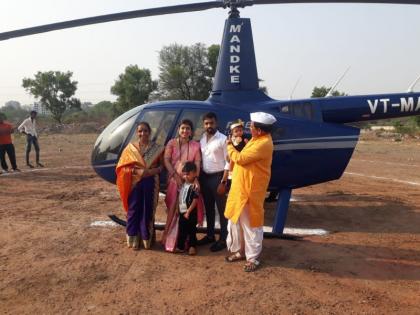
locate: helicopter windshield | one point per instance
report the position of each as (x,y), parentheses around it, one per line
(108,144)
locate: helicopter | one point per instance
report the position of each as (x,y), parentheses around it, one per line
(313,142)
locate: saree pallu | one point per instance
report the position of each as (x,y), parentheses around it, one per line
(170,235)
(129,184)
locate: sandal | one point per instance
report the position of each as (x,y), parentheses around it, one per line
(234,257)
(192,251)
(178,251)
(251,266)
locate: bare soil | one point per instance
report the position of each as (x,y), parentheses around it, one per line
(53,262)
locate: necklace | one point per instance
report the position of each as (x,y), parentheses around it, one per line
(143,148)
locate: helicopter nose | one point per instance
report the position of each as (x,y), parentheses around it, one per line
(110,143)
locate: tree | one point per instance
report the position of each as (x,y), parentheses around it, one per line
(54,89)
(133,88)
(12,104)
(213,55)
(15,115)
(323,91)
(185,72)
(102,111)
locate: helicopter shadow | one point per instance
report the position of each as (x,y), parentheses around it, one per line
(339,212)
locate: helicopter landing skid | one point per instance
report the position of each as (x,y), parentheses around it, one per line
(161,226)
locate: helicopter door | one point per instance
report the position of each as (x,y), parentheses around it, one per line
(161,123)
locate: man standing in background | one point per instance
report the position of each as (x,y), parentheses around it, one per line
(28,127)
(6,145)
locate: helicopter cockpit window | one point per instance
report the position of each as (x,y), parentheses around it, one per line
(108,145)
(160,122)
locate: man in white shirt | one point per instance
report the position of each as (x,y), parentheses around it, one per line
(28,127)
(213,179)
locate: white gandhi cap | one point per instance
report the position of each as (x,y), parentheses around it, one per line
(263,118)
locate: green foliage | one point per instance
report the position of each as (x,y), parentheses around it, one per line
(15,114)
(262,87)
(54,89)
(408,126)
(323,91)
(75,117)
(102,112)
(213,55)
(133,88)
(185,72)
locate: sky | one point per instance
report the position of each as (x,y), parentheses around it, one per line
(312,43)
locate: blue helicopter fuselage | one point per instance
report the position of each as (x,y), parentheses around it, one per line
(306,150)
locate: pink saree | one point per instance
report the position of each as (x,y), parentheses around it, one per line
(178,155)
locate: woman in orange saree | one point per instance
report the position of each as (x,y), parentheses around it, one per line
(138,183)
(177,152)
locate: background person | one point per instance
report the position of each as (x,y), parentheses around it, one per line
(6,144)
(28,127)
(177,152)
(245,204)
(138,183)
(213,180)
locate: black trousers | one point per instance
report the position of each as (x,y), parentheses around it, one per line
(10,150)
(208,184)
(187,228)
(29,141)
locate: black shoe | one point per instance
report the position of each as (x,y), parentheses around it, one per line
(16,170)
(272,197)
(218,246)
(29,165)
(205,240)
(39,164)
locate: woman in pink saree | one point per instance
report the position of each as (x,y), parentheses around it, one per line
(177,152)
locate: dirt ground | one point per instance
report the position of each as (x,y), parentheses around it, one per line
(53,262)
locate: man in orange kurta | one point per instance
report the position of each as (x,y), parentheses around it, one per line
(245,203)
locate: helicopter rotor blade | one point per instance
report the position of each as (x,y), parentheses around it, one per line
(183,8)
(112,17)
(257,2)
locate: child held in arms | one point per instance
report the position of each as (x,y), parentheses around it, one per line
(238,142)
(188,200)
(237,135)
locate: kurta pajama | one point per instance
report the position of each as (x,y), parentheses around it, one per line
(250,178)
(241,236)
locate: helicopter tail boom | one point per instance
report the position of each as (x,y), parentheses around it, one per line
(348,109)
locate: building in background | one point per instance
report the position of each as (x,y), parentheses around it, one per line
(41,109)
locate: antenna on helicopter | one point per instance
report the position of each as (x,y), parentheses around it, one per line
(294,88)
(336,83)
(411,87)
